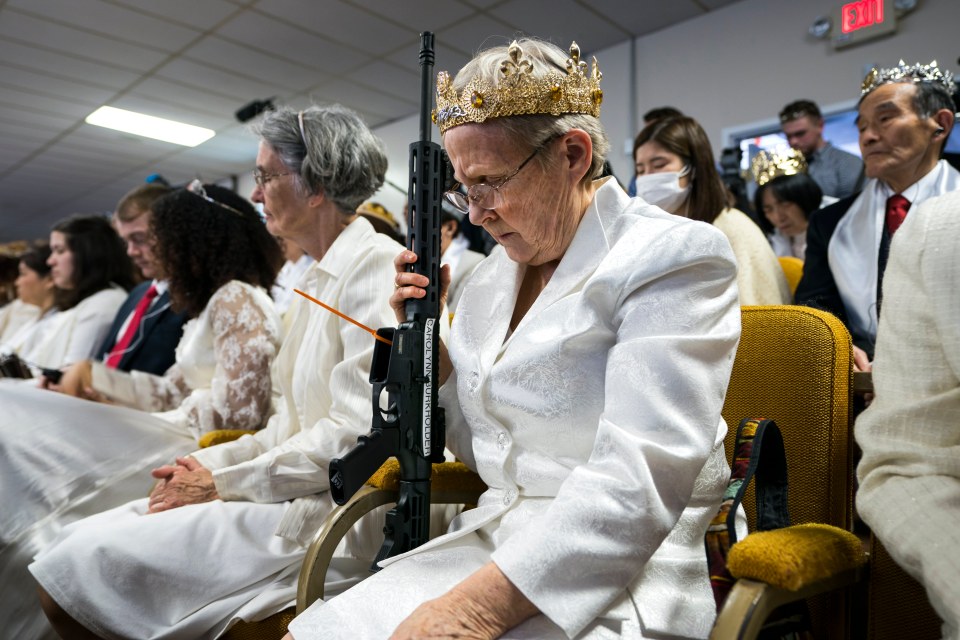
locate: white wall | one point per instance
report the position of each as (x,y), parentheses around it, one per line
(732,67)
(744,62)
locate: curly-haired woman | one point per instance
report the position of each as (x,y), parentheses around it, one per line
(219,261)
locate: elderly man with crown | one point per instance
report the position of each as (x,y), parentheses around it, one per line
(590,356)
(904,117)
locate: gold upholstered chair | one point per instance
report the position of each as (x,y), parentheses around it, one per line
(794,365)
(793,269)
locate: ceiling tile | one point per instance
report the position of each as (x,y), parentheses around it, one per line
(208,102)
(479,32)
(646,17)
(198,15)
(340,22)
(59,64)
(418,15)
(103,18)
(261,32)
(390,78)
(29,100)
(446,56)
(240,87)
(24,29)
(44,84)
(31,118)
(226,54)
(360,98)
(565,22)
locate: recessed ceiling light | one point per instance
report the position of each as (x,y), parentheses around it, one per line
(149,126)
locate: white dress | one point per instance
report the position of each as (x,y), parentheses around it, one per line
(62,458)
(190,572)
(78,331)
(596,426)
(15,315)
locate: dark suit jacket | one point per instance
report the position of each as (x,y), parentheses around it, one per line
(154,352)
(817,287)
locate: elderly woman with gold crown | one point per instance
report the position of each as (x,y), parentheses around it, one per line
(589,359)
(786,196)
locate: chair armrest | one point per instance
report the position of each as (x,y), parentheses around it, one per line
(450,483)
(776,567)
(220,436)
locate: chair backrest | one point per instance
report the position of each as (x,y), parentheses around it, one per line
(795,365)
(793,269)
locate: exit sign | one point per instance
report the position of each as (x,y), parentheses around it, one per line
(864,20)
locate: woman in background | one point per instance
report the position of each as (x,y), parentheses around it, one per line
(62,458)
(92,272)
(27,319)
(676,172)
(785,198)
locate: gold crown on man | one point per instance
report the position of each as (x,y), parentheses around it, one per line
(766,165)
(519,93)
(904,72)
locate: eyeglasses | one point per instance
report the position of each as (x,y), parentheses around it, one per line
(262,178)
(488,196)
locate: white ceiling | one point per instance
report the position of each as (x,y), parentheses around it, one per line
(198,61)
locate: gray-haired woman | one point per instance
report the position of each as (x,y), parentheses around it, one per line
(223,535)
(590,357)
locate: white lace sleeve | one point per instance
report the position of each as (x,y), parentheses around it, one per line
(246,332)
(141,390)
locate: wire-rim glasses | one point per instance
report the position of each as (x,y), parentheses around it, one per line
(487,196)
(262,178)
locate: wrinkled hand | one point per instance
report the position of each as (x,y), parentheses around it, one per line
(183,483)
(411,285)
(482,607)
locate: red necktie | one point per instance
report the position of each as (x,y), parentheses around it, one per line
(113,360)
(897,207)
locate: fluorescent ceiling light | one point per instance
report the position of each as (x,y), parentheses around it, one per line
(149,126)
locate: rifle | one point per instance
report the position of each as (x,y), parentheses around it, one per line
(411,427)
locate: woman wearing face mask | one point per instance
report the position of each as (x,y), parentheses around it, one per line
(676,172)
(786,196)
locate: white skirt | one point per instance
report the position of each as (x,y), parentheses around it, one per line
(375,607)
(185,573)
(63,459)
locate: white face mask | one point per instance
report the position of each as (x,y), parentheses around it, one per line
(663,189)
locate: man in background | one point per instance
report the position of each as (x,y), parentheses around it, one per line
(143,341)
(904,117)
(838,173)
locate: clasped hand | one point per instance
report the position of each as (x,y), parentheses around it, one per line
(185,482)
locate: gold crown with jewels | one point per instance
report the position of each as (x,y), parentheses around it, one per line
(904,72)
(519,93)
(766,165)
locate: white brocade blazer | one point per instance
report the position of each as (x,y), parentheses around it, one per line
(910,435)
(596,423)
